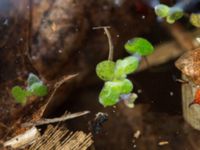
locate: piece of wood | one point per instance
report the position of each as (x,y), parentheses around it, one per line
(23,139)
(60,138)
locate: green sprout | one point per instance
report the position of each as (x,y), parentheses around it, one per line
(125,66)
(175,13)
(116,85)
(195,19)
(19,94)
(170,13)
(140,46)
(105,70)
(162,10)
(35,87)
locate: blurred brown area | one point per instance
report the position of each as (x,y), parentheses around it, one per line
(119,132)
(63,36)
(13,63)
(55,38)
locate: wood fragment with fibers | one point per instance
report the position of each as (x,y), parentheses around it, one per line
(60,138)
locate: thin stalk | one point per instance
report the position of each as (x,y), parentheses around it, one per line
(110,44)
(111,49)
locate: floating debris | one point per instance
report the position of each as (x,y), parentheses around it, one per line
(171,93)
(129,99)
(137,134)
(98,121)
(162,143)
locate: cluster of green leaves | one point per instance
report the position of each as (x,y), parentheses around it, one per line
(35,87)
(170,13)
(115,73)
(174,13)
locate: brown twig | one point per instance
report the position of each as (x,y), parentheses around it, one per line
(54,120)
(59,83)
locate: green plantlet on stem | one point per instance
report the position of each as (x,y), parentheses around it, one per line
(115,74)
(170,13)
(35,87)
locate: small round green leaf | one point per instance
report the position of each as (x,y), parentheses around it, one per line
(19,94)
(126,87)
(112,90)
(140,46)
(110,93)
(195,19)
(32,78)
(170,20)
(105,70)
(38,89)
(126,66)
(161,10)
(175,13)
(119,70)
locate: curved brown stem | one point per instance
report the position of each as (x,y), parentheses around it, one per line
(111,51)
(110,44)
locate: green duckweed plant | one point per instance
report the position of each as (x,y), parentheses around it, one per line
(174,13)
(117,86)
(171,14)
(35,87)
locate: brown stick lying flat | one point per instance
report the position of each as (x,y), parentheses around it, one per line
(54,120)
